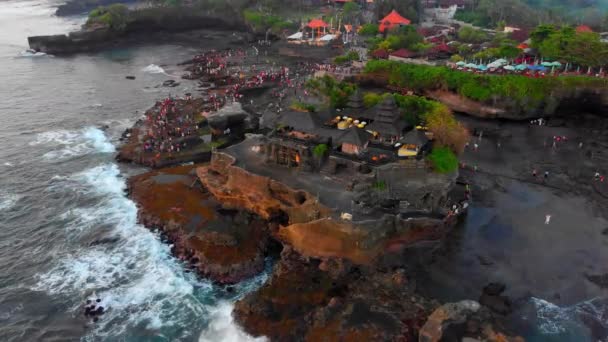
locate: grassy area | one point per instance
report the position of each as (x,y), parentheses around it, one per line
(443,160)
(478,87)
(303,107)
(379,185)
(261,21)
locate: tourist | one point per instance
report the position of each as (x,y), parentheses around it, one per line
(547,219)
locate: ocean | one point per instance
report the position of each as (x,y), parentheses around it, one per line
(68,233)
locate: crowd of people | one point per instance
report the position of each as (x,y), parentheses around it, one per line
(166,126)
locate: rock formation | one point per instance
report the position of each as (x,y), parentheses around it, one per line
(224,245)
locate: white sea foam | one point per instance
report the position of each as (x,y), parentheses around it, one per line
(555,320)
(137,280)
(74,143)
(153,69)
(550,316)
(223,328)
(7,200)
(30,54)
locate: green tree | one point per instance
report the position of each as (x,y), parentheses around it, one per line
(443,160)
(114,17)
(471,35)
(350,11)
(369,30)
(320,150)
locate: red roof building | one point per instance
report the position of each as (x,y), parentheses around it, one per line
(403,53)
(393,19)
(317,24)
(583,28)
(380,54)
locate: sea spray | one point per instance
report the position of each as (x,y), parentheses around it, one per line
(223,328)
(73,143)
(138,281)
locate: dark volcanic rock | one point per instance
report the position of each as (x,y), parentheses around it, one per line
(143,26)
(493,299)
(303,303)
(600,280)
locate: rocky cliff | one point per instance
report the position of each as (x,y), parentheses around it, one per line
(223,245)
(564,100)
(143,25)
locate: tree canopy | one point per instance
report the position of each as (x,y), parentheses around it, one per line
(567,45)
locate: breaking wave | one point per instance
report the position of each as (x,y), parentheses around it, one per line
(153,69)
(30,54)
(141,286)
(580,322)
(74,143)
(222,327)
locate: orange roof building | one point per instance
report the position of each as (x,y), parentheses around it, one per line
(393,19)
(317,24)
(583,28)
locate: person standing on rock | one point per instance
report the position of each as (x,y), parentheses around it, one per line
(547,219)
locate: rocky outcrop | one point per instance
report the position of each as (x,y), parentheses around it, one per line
(75,7)
(223,245)
(558,102)
(235,187)
(361,243)
(332,301)
(462,321)
(308,226)
(143,25)
(193,148)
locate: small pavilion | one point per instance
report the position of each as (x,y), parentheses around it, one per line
(393,19)
(319,26)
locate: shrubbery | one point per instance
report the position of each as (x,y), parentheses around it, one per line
(443,160)
(350,56)
(115,17)
(303,107)
(475,86)
(337,92)
(369,30)
(260,21)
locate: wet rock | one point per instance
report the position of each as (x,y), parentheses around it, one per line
(170,83)
(600,280)
(494,289)
(444,317)
(130,77)
(493,299)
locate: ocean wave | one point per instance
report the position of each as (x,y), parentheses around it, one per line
(140,284)
(579,320)
(33,54)
(550,316)
(74,143)
(8,201)
(223,328)
(153,69)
